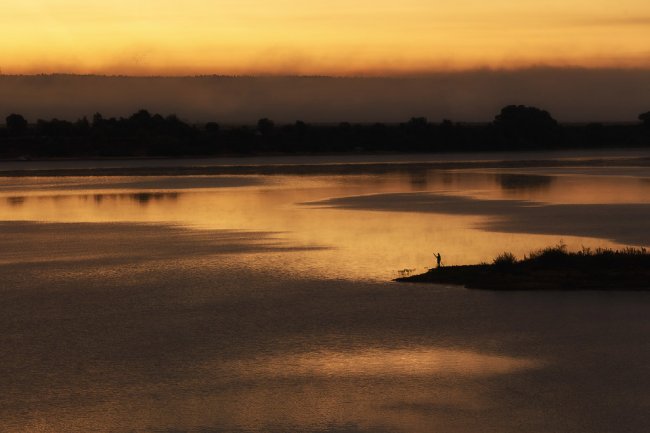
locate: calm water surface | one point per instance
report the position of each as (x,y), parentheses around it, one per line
(264,303)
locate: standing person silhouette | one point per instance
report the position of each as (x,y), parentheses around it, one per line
(438,258)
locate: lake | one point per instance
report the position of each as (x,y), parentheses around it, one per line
(265,303)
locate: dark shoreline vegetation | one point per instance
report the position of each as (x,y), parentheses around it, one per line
(552,268)
(151,135)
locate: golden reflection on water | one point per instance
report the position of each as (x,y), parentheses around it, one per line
(561,186)
(358,243)
(405,389)
(419,361)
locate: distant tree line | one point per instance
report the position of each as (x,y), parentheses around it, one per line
(516,127)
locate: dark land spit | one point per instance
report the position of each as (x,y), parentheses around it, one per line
(550,269)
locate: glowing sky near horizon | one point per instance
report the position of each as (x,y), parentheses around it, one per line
(341,37)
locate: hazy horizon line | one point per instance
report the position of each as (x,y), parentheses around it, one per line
(570,93)
(415,74)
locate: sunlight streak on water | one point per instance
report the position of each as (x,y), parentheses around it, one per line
(421,361)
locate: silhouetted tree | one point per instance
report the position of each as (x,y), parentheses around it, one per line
(265,126)
(55,128)
(645,118)
(523,117)
(141,118)
(418,123)
(97,120)
(522,125)
(212,127)
(82,125)
(446,131)
(16,124)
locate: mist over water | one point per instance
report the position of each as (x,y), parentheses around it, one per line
(264,303)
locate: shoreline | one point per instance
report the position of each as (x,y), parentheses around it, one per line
(297,165)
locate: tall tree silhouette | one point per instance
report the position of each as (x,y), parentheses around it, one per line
(525,126)
(16,124)
(523,117)
(265,126)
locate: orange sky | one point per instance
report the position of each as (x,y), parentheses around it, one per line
(340,37)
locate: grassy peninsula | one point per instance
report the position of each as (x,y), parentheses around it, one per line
(552,268)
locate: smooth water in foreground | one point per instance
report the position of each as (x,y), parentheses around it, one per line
(265,304)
